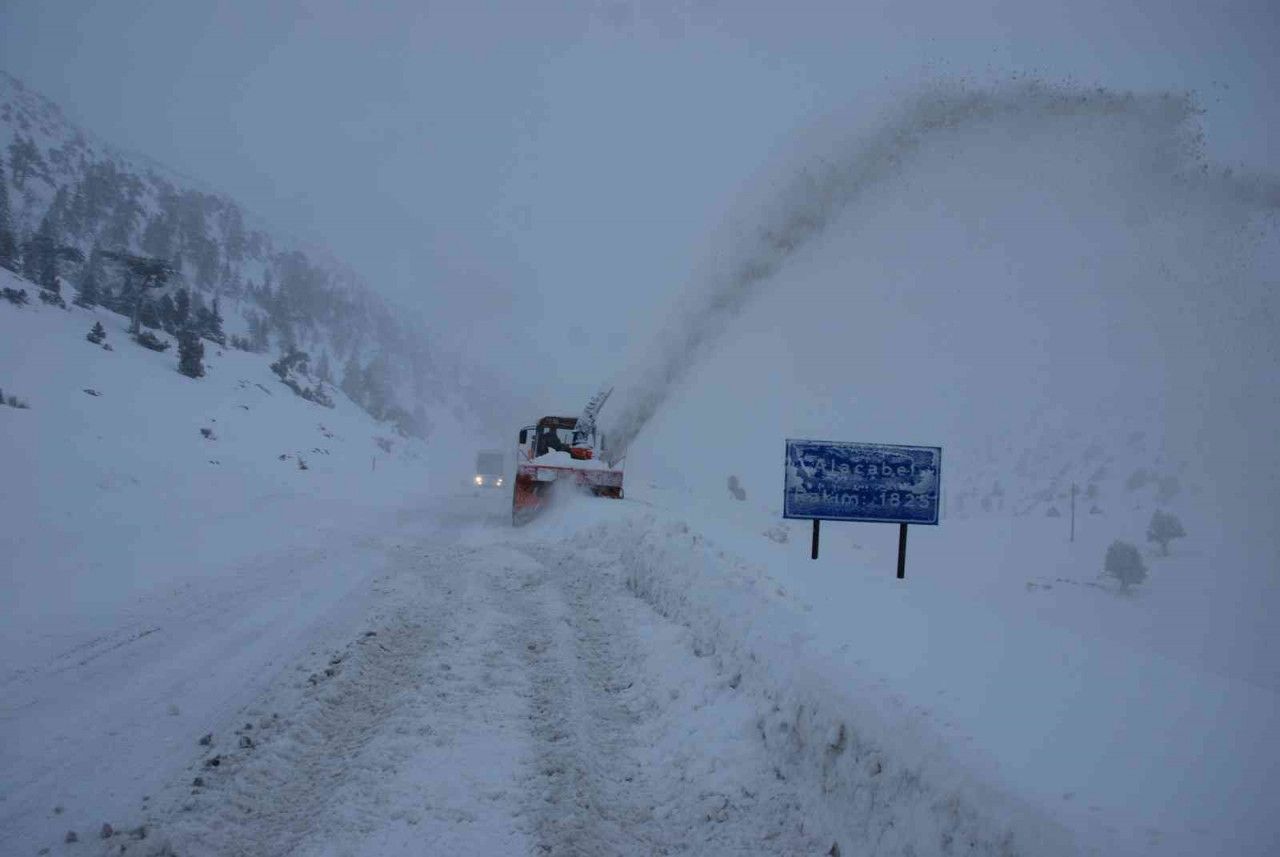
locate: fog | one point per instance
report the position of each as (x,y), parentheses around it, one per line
(542,185)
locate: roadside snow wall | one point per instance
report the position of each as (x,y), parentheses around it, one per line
(883,783)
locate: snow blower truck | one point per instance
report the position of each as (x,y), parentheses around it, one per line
(564,451)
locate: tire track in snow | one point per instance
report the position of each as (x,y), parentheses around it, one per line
(588,788)
(635,752)
(309,775)
(517,698)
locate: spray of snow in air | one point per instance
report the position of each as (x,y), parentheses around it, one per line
(1153,141)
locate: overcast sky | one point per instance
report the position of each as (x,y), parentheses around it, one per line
(538,177)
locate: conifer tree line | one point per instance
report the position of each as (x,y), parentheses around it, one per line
(98,231)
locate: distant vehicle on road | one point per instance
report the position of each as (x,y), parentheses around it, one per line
(490,469)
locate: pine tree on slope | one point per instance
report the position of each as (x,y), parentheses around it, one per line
(1124,563)
(8,243)
(88,290)
(213,330)
(1164,528)
(190,354)
(182,309)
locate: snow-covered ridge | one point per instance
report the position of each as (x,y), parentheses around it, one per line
(36,115)
(275,292)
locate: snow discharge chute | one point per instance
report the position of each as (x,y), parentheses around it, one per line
(585,430)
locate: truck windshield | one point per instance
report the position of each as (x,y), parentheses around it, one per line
(553,440)
(489,463)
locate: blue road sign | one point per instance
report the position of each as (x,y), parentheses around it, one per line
(876,482)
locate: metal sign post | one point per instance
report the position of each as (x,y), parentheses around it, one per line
(870,482)
(902,551)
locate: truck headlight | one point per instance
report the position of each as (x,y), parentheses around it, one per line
(479,480)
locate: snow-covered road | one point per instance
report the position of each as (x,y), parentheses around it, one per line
(614,678)
(508,697)
(474,690)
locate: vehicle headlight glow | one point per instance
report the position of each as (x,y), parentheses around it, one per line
(499,483)
(479,480)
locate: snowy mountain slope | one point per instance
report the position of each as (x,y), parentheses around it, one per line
(275,292)
(150,451)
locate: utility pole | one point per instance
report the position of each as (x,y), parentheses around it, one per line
(1073,511)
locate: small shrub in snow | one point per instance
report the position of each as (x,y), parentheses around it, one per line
(736,489)
(1124,563)
(98,334)
(1164,528)
(318,395)
(147,339)
(52,298)
(292,371)
(12,401)
(17,297)
(149,315)
(1053,512)
(777,533)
